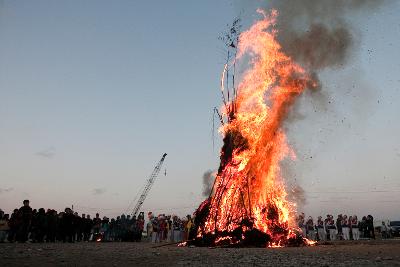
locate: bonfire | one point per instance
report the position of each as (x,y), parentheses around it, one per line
(249,205)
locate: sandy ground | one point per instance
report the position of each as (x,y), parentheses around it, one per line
(362,253)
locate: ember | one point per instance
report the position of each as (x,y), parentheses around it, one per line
(248,205)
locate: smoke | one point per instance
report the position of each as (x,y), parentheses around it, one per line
(297,195)
(315,33)
(321,35)
(98,191)
(208,181)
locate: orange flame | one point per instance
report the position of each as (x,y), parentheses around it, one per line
(250,185)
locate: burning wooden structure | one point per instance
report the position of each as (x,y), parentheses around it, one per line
(248,205)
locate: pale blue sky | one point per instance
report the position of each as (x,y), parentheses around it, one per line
(92,93)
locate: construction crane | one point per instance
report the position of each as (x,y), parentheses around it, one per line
(148,186)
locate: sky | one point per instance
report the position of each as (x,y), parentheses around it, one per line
(92,93)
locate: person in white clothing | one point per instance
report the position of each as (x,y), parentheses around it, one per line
(354,228)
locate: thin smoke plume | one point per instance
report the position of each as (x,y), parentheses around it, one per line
(99,191)
(208,181)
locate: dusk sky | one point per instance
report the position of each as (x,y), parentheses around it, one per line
(92,93)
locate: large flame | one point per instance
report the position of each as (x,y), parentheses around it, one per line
(249,186)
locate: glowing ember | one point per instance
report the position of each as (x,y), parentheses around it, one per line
(182,244)
(249,203)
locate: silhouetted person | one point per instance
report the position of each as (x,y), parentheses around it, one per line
(25,214)
(139,227)
(76,226)
(13,223)
(3,226)
(33,226)
(112,230)
(81,227)
(370,226)
(88,228)
(96,224)
(52,222)
(68,225)
(132,233)
(40,225)
(118,228)
(363,227)
(339,226)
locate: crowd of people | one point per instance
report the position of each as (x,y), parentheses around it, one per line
(343,228)
(27,224)
(169,228)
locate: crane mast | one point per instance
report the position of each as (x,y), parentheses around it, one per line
(148,186)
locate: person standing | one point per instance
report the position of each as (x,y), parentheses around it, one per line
(339,226)
(169,229)
(188,227)
(149,229)
(155,229)
(384,231)
(310,228)
(13,223)
(149,226)
(140,227)
(332,229)
(68,225)
(88,228)
(3,226)
(176,226)
(300,223)
(370,226)
(321,229)
(25,215)
(363,227)
(326,222)
(345,228)
(105,229)
(41,225)
(354,228)
(80,226)
(52,222)
(96,224)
